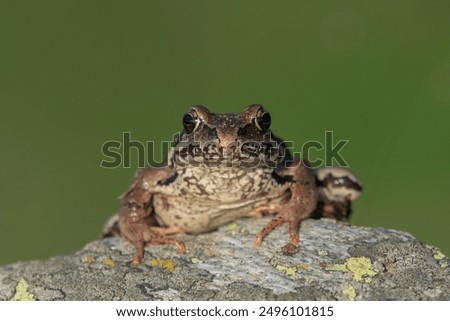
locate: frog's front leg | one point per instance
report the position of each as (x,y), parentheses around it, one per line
(299,206)
(136,224)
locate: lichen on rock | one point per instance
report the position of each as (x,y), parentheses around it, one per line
(335,261)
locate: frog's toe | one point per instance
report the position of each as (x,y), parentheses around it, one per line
(139,253)
(273,224)
(287,215)
(159,239)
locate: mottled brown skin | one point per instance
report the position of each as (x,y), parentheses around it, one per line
(251,174)
(298,207)
(135,221)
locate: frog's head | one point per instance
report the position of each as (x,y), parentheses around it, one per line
(240,138)
(226,128)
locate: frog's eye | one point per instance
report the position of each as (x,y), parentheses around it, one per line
(190,123)
(263,121)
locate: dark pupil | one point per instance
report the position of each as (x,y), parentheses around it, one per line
(264,121)
(188,123)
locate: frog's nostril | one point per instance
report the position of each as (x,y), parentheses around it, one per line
(226,141)
(226,137)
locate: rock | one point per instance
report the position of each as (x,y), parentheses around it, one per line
(336,261)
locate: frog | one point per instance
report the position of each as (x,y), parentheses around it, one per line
(226,166)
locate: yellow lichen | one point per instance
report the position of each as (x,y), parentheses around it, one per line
(322,252)
(350,292)
(108,262)
(88,259)
(360,267)
(196,260)
(302,266)
(233,227)
(337,267)
(438,255)
(22,293)
(168,265)
(289,271)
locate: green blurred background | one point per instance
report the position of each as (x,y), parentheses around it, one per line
(75,74)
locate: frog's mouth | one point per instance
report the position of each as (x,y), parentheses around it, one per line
(249,154)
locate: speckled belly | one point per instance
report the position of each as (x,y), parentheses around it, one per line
(204,201)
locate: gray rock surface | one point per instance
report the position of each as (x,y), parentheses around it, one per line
(336,261)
